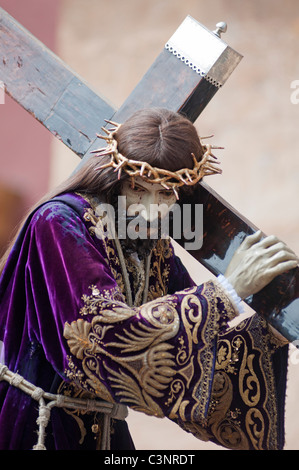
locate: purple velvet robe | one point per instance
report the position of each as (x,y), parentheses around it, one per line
(67,328)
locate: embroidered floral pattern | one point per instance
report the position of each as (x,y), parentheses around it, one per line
(160,267)
(244,365)
(136,352)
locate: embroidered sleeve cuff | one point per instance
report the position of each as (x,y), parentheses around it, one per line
(236,300)
(277,340)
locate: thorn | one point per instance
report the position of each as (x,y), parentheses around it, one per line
(175,193)
(142,170)
(98,150)
(207,137)
(103,137)
(112,123)
(105,130)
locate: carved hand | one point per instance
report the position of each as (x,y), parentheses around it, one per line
(257,262)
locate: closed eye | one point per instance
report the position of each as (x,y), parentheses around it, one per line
(166,193)
(137,189)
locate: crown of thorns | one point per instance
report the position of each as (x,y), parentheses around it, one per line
(168,179)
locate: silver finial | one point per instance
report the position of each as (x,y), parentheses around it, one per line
(221,28)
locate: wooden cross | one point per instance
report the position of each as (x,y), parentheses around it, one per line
(193,65)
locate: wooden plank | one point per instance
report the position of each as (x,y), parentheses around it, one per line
(57,97)
(48,89)
(224,229)
(173,84)
(189,93)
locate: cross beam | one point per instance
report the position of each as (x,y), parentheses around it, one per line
(183,78)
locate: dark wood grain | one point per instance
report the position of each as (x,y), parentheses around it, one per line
(49,90)
(224,229)
(189,93)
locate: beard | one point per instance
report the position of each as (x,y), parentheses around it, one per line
(140,245)
(145,242)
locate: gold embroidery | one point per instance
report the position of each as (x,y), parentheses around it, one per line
(209,330)
(177,392)
(251,395)
(255,427)
(147,366)
(71,390)
(224,423)
(149,370)
(130,391)
(229,306)
(137,271)
(90,216)
(100,299)
(77,335)
(223,359)
(191,304)
(93,384)
(228,354)
(198,431)
(151,366)
(247,352)
(99,229)
(160,277)
(261,339)
(161,253)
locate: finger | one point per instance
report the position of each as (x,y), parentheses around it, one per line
(280,246)
(252,239)
(281,256)
(276,243)
(282,268)
(269,241)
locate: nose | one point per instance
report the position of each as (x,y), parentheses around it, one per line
(149,210)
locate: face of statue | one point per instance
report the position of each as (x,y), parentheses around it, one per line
(150,200)
(146,206)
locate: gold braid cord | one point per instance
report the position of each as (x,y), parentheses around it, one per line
(168,179)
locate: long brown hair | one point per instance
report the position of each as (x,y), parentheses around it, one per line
(163,138)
